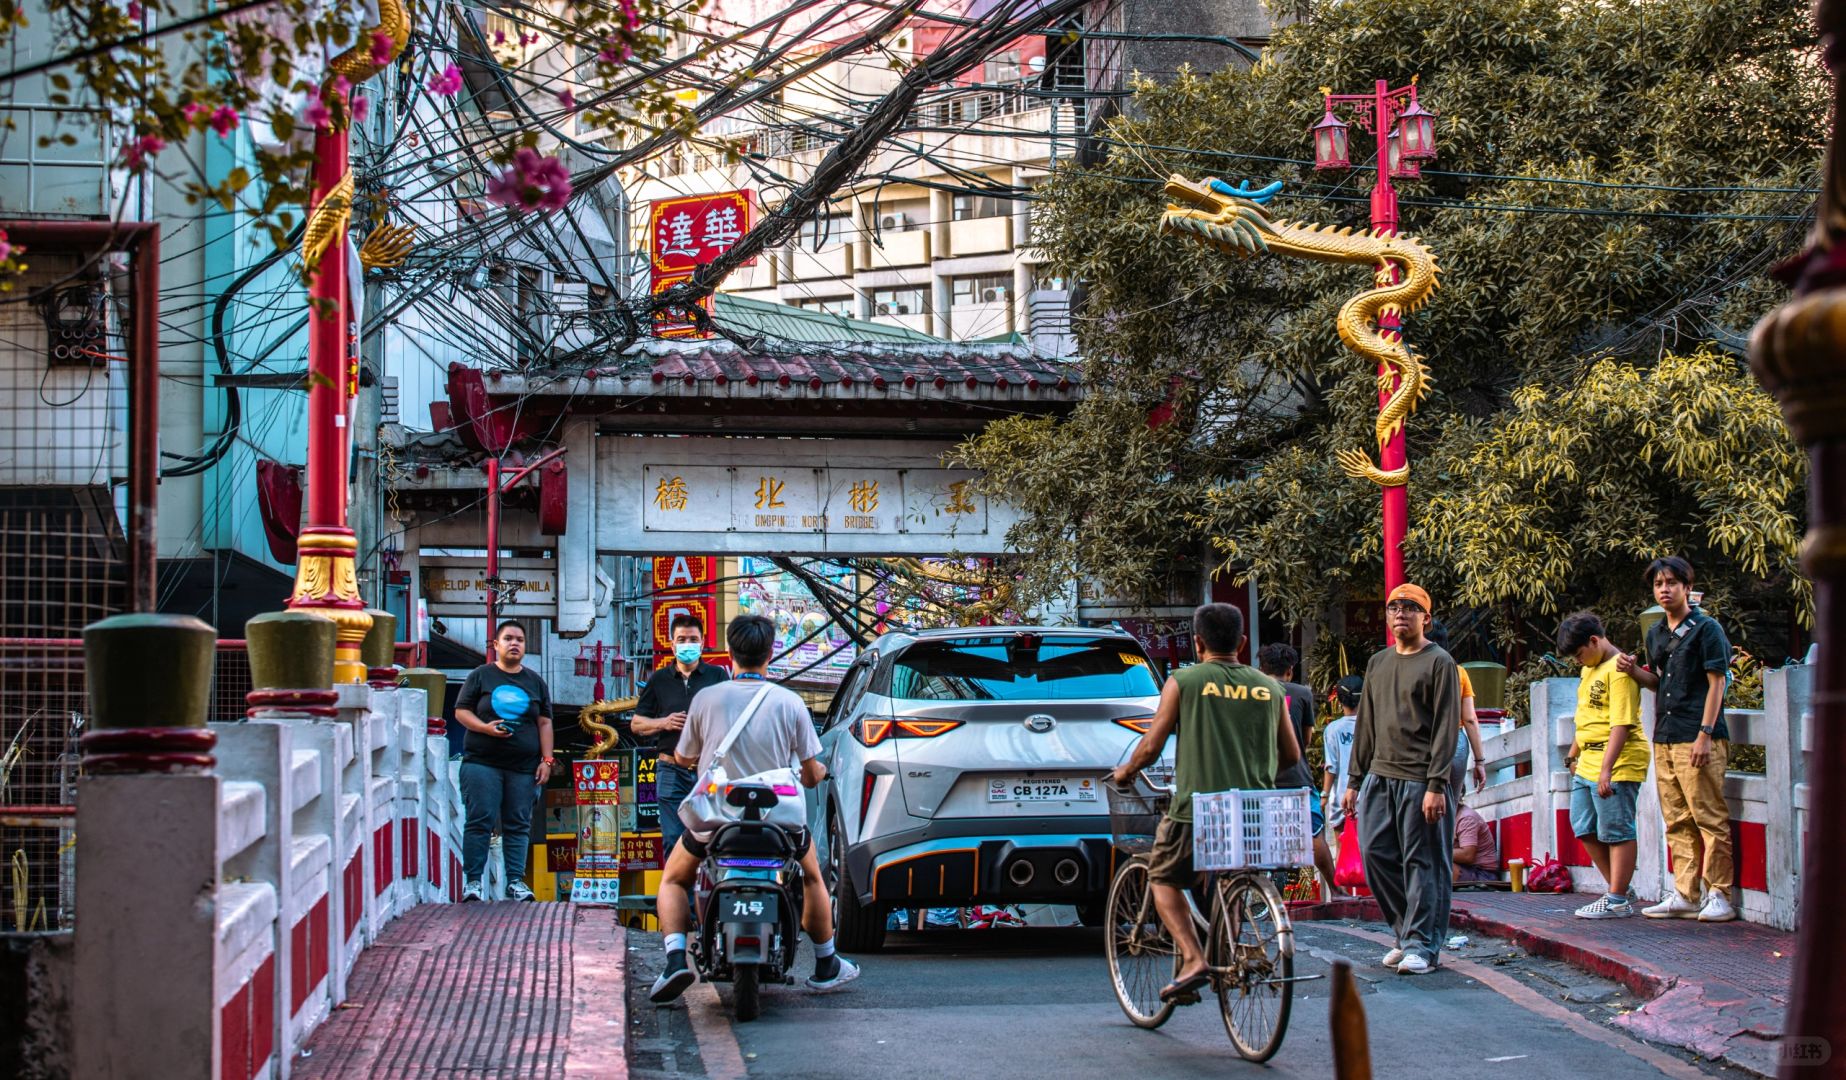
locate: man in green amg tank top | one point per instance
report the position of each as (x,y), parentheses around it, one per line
(1233,733)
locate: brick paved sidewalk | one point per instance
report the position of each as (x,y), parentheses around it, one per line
(1720,989)
(481,990)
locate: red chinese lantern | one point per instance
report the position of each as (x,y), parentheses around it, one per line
(1401,167)
(1419,127)
(1330,143)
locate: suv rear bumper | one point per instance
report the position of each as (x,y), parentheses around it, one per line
(961,861)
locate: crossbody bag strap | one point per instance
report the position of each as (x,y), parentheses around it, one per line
(730,737)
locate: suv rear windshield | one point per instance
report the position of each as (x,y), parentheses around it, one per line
(1002,669)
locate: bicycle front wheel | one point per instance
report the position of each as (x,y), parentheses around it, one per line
(1142,958)
(1251,949)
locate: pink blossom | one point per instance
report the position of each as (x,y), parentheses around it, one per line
(447,84)
(342,86)
(136,154)
(631,14)
(529,39)
(361,108)
(6,247)
(567,99)
(317,115)
(192,112)
(225,121)
(134,10)
(531,183)
(615,51)
(383,45)
(499,37)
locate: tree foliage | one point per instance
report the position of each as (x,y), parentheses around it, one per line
(1615,179)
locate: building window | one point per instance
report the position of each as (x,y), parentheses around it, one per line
(968,207)
(822,231)
(982,289)
(843,306)
(905,300)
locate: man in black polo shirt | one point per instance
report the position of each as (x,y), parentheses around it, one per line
(661,713)
(1688,657)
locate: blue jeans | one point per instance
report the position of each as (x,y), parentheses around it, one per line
(671,786)
(497,799)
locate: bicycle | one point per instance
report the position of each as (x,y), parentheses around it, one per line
(1249,939)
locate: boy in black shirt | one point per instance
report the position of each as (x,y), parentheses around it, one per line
(1688,659)
(506,759)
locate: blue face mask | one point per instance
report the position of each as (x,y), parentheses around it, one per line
(687,652)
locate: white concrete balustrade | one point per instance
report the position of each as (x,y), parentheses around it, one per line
(235,904)
(1531,813)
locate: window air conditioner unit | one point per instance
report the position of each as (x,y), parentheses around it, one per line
(993,296)
(887,307)
(897,222)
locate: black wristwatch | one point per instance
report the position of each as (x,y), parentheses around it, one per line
(1708,729)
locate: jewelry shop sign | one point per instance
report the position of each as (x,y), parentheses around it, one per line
(795,499)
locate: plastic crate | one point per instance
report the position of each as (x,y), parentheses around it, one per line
(1252,830)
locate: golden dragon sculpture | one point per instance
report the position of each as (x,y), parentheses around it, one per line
(1404,270)
(356,65)
(594,720)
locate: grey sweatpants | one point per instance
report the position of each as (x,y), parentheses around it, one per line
(1407,861)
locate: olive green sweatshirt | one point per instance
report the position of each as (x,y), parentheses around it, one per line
(1409,716)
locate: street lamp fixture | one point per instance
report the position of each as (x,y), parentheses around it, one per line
(1330,152)
(1402,165)
(1419,127)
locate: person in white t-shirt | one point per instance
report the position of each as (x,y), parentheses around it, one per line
(1336,748)
(779,736)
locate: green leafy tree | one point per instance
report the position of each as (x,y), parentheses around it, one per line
(1615,181)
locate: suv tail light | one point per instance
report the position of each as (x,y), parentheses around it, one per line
(873,730)
(1140,725)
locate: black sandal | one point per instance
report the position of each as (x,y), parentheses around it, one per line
(1179,990)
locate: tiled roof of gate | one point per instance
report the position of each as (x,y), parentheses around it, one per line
(941,364)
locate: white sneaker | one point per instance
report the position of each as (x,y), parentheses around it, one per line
(1717,908)
(1605,907)
(1393,958)
(471,892)
(1674,906)
(1414,964)
(518,890)
(847,973)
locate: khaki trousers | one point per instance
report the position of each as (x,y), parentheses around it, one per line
(1698,820)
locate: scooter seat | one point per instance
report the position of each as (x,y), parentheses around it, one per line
(753,838)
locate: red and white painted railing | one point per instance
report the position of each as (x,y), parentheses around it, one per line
(1528,803)
(239,895)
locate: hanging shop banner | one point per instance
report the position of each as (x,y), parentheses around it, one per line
(599,833)
(702,608)
(685,573)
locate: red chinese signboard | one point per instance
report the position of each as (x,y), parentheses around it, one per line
(699,607)
(685,234)
(641,852)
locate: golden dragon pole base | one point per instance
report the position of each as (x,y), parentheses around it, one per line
(327,583)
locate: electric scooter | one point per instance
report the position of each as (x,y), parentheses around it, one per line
(748,897)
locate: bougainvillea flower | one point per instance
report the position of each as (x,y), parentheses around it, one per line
(447,84)
(225,121)
(135,155)
(361,108)
(567,99)
(317,115)
(531,182)
(383,45)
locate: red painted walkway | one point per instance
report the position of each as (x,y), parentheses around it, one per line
(1720,989)
(481,990)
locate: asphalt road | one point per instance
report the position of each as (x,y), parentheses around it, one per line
(1037,1002)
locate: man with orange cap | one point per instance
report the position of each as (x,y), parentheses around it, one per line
(1397,782)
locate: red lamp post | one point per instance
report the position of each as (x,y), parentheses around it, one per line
(1405,134)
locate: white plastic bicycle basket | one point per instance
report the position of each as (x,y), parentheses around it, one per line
(1252,830)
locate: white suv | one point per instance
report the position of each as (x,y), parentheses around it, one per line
(966,767)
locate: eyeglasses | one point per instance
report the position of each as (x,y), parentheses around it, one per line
(1403,605)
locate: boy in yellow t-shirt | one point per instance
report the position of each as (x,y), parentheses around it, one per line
(1611,759)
